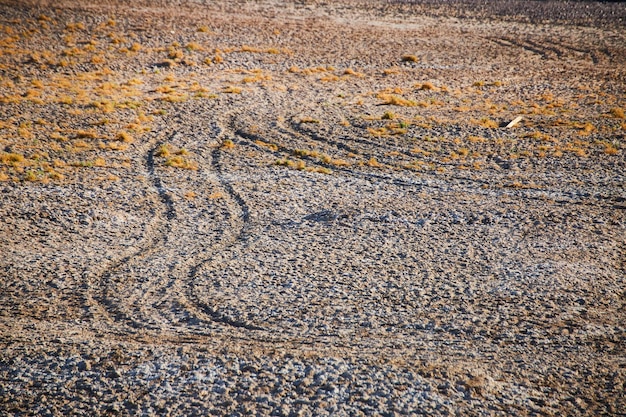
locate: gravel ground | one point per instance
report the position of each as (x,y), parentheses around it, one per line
(310,208)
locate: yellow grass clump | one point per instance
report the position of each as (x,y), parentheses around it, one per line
(610,149)
(425,86)
(270,146)
(487,123)
(394,100)
(618,113)
(228,144)
(232,90)
(180,162)
(194,46)
(350,71)
(372,162)
(163,151)
(125,137)
(86,134)
(11,158)
(391,71)
(586,129)
(409,58)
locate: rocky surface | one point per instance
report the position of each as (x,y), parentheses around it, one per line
(309,208)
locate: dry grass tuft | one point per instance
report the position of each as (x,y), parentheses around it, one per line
(163,151)
(194,46)
(87,134)
(391,71)
(610,149)
(350,71)
(388,116)
(11,158)
(425,86)
(585,129)
(394,100)
(372,162)
(125,137)
(410,58)
(181,162)
(487,123)
(270,146)
(618,113)
(232,90)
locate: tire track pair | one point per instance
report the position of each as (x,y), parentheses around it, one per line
(146,290)
(552,49)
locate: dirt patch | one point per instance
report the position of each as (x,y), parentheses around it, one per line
(307,208)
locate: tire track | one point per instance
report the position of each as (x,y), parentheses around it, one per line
(381,147)
(118,294)
(215,314)
(554,50)
(258,337)
(164,296)
(306,137)
(166,199)
(526,45)
(153,237)
(153,288)
(432,183)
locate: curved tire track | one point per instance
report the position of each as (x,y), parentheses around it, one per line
(152,288)
(153,236)
(110,280)
(212,313)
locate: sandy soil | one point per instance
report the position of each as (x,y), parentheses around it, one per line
(312,208)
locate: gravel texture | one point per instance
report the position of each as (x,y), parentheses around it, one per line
(312,208)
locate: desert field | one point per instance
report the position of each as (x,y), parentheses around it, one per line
(308,208)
